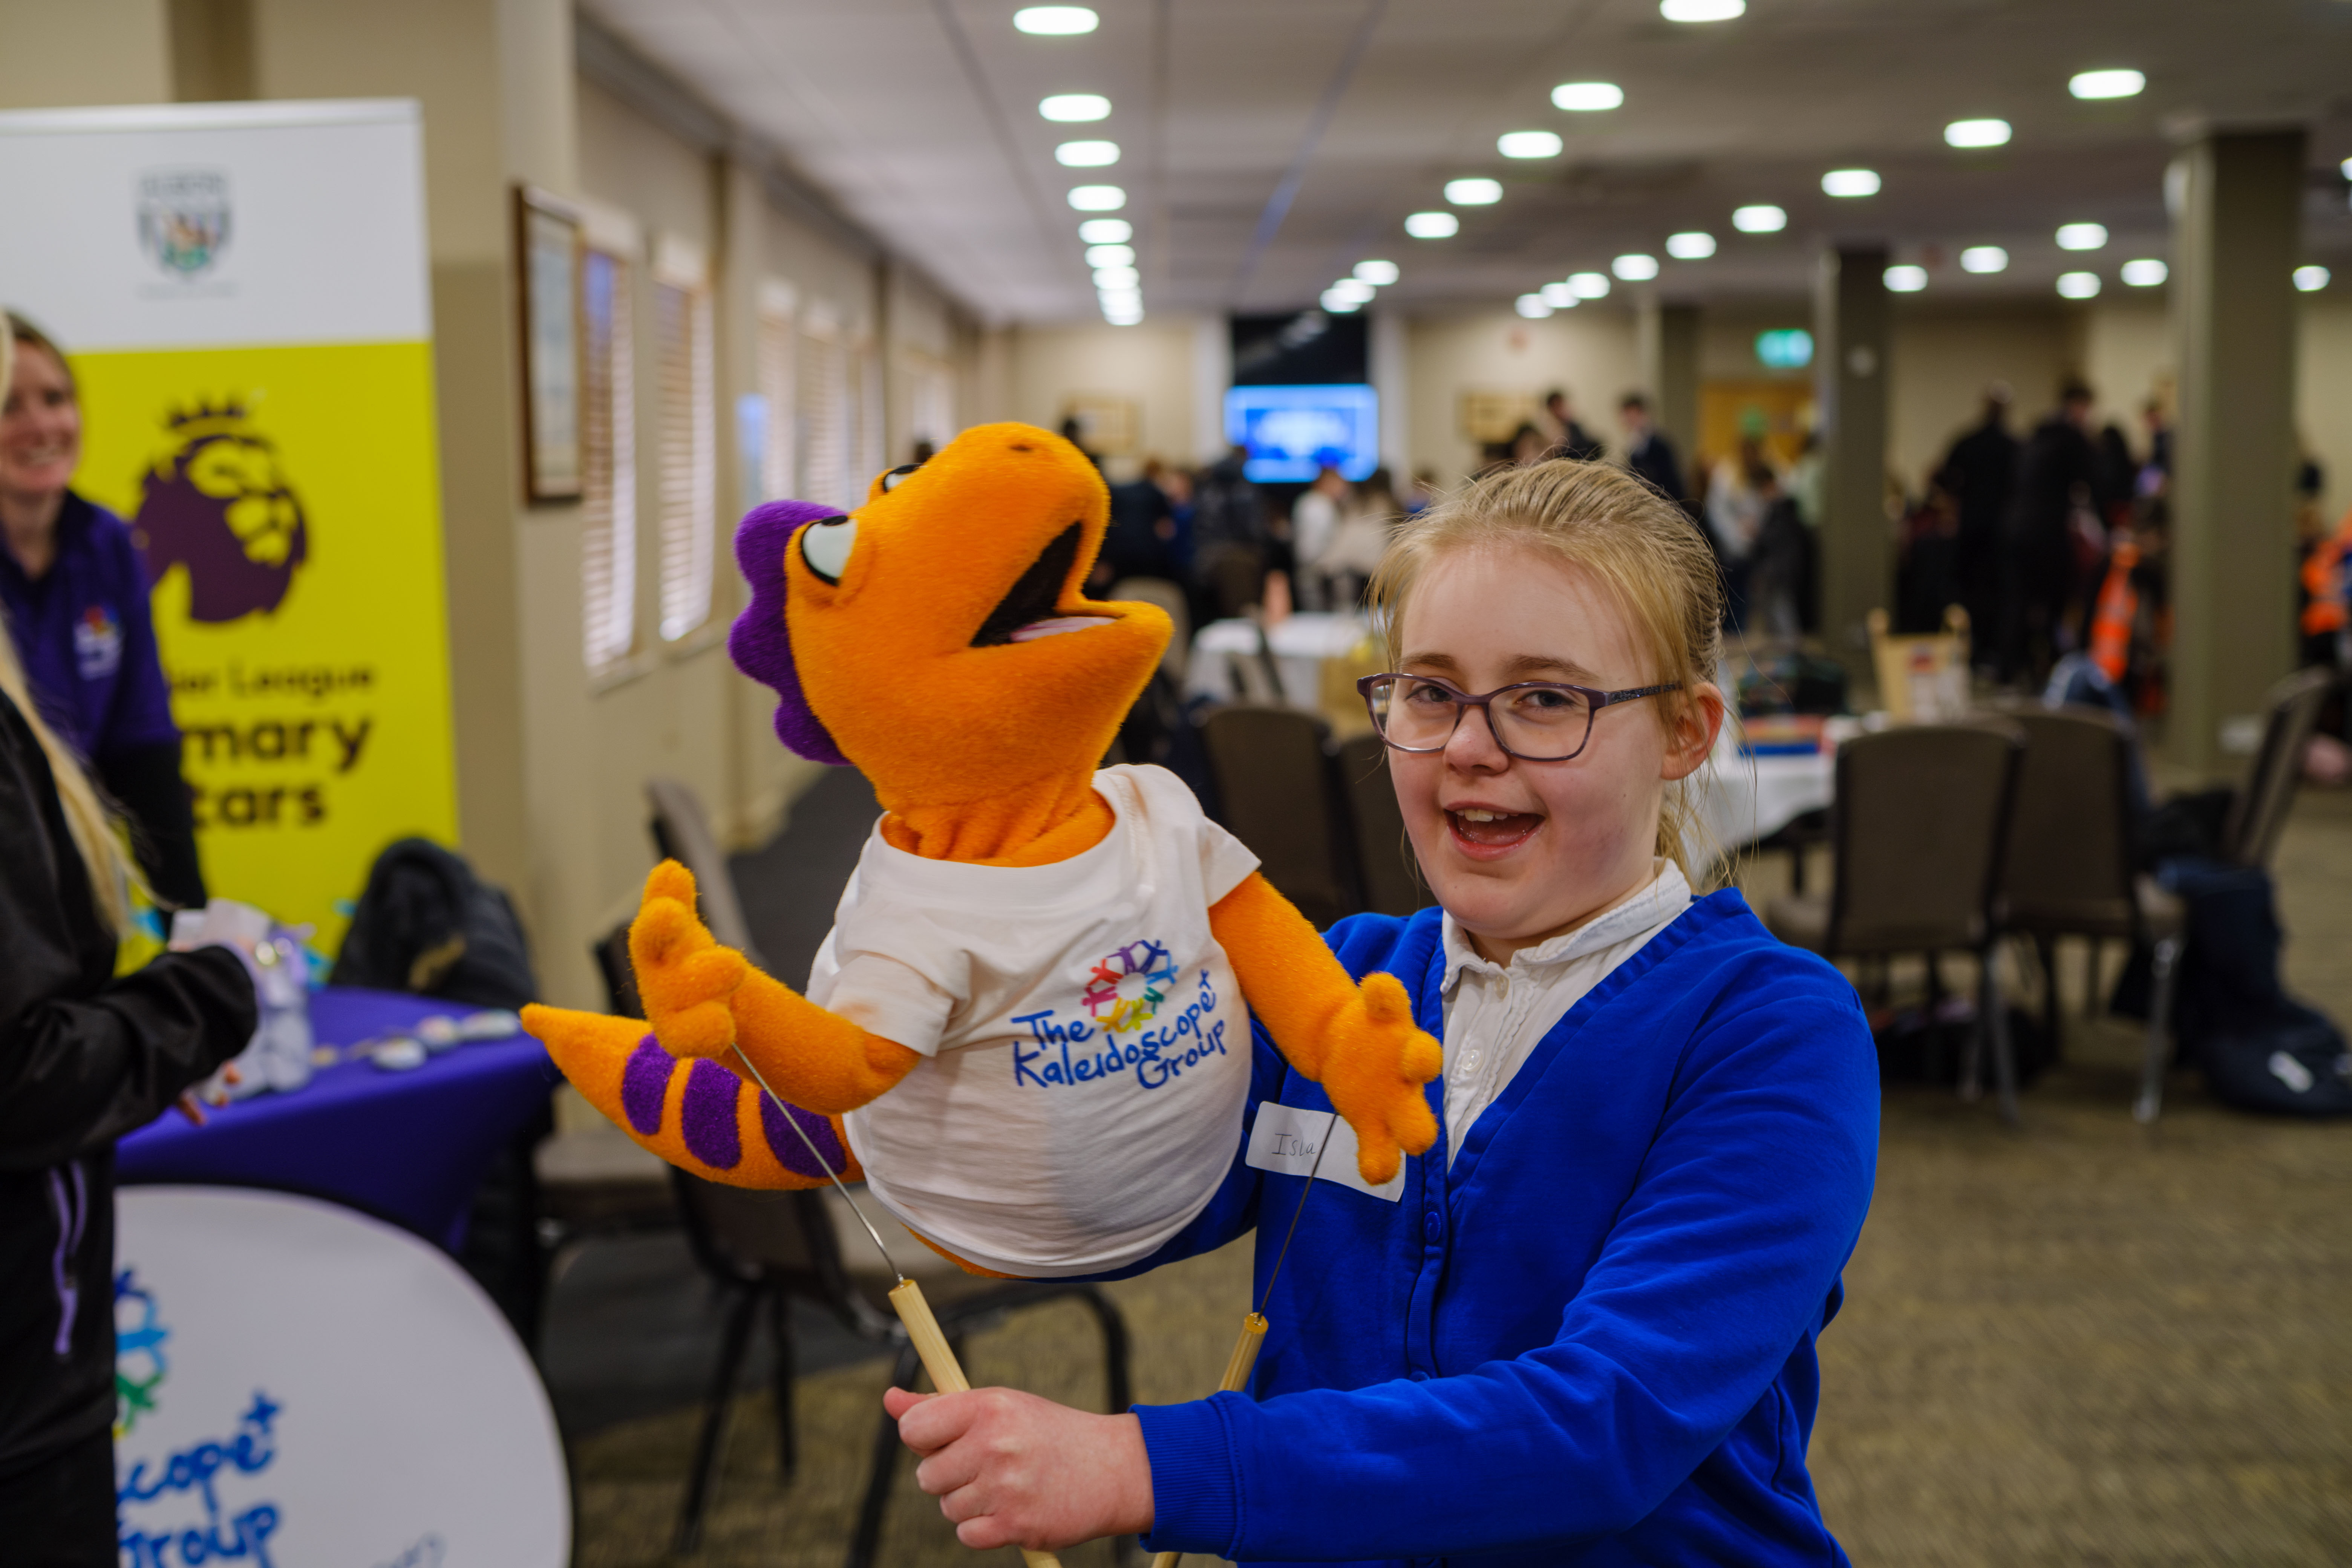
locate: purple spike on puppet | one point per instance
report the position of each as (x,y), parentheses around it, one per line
(760,643)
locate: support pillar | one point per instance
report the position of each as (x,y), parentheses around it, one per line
(1850,333)
(2237,235)
(1668,339)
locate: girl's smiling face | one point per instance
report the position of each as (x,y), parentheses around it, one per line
(1518,851)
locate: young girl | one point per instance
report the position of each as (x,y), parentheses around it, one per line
(1585,1329)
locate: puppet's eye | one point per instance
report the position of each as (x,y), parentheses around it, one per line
(825,545)
(896,476)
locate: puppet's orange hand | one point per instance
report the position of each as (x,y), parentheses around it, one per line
(686,980)
(1374,1071)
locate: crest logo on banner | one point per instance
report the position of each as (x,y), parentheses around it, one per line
(217,502)
(182,218)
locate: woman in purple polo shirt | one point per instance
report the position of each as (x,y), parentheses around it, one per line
(76,596)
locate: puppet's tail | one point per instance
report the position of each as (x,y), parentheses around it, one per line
(694,1113)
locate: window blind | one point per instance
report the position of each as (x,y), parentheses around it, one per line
(822,412)
(688,455)
(608,489)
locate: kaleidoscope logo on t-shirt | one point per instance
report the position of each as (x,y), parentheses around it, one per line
(1124,991)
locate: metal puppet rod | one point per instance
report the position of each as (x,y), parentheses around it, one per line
(907,1296)
(1243,1360)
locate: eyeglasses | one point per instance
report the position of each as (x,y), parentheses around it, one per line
(1534,721)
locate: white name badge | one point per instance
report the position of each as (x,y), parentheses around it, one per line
(1287,1141)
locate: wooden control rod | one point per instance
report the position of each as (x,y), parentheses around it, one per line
(1237,1371)
(946,1373)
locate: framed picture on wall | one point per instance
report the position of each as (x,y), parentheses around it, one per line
(548,252)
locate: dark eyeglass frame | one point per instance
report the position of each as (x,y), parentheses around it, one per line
(1594,699)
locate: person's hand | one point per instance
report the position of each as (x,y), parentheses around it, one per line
(1011,1469)
(194,1108)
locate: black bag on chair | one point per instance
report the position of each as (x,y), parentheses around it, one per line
(427,924)
(2259,1048)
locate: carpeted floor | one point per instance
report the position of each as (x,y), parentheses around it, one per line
(2082,1342)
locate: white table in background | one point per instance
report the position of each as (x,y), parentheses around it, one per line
(1222,652)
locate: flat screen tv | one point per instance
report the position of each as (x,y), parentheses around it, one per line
(1292,431)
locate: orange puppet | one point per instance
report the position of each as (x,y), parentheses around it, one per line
(1029,1029)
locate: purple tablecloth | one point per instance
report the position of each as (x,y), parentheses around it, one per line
(408,1147)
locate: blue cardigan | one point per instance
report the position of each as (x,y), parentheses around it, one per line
(1590,1340)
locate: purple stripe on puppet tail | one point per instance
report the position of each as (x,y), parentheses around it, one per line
(792,1154)
(708,1115)
(645,1084)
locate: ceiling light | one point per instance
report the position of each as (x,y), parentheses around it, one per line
(1588,285)
(1849,183)
(1106,231)
(1339,304)
(1905,279)
(1111,255)
(1976,133)
(2078,285)
(1086,155)
(2105,84)
(1354,289)
(2312,278)
(2146,273)
(1701,10)
(1531,306)
(1984,259)
(1117,278)
(2345,168)
(1119,299)
(1559,296)
(1055,21)
(1529,143)
(1635,268)
(1762,218)
(1432,226)
(1097,198)
(1587,97)
(1071,108)
(1474,192)
(1379,274)
(1125,318)
(1696,245)
(2081,236)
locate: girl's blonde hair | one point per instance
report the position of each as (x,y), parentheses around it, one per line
(1640,546)
(96,834)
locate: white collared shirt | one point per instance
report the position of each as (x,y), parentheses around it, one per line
(1495,1016)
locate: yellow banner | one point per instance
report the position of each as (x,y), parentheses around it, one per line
(288,501)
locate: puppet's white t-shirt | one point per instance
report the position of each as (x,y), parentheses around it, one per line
(1086,1048)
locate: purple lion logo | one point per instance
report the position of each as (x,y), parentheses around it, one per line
(220,505)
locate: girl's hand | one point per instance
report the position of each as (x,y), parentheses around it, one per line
(1011,1469)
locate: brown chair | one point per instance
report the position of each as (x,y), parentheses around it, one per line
(1385,868)
(1273,768)
(2070,870)
(2250,833)
(1917,828)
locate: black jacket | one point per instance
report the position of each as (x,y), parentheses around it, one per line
(84,1058)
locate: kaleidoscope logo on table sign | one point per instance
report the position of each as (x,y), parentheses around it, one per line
(139,1361)
(1124,991)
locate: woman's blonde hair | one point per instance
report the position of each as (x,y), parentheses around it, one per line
(96,834)
(1641,547)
